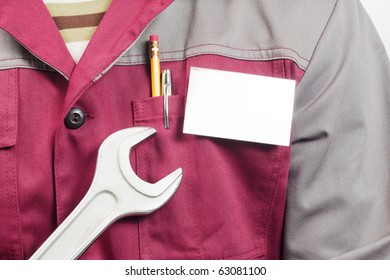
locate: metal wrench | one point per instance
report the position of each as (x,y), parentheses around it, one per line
(116,191)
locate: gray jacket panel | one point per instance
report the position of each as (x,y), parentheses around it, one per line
(338,203)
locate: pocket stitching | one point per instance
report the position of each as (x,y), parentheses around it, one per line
(9,139)
(155,110)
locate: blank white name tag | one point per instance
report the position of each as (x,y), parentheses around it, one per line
(239,106)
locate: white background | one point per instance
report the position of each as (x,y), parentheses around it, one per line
(98,270)
(379,11)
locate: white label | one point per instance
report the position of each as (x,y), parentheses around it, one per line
(239,106)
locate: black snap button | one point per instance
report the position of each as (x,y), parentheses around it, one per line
(75,118)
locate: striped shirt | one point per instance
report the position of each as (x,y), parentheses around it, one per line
(77,21)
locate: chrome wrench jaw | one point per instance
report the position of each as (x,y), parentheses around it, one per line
(148,189)
(145,204)
(116,192)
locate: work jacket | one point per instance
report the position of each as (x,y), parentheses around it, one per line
(237,199)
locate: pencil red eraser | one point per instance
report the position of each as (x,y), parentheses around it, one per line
(153,38)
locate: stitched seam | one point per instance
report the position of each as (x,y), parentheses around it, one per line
(10,173)
(8,103)
(326,27)
(241,49)
(158,117)
(170,59)
(43,66)
(20,58)
(9,219)
(210,52)
(47,69)
(278,72)
(16,196)
(315,50)
(227,47)
(144,169)
(267,210)
(275,186)
(14,200)
(141,115)
(57,193)
(284,71)
(193,207)
(146,231)
(137,155)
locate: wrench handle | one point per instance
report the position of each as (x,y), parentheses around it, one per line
(89,219)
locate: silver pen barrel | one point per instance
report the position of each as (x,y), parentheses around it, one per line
(167,91)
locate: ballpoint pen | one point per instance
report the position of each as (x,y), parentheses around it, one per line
(155,66)
(167,91)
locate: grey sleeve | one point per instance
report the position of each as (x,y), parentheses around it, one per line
(338,198)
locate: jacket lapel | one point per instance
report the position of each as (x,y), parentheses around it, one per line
(31,24)
(122,24)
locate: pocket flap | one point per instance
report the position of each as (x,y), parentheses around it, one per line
(8,108)
(153,107)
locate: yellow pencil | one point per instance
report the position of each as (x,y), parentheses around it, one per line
(155,66)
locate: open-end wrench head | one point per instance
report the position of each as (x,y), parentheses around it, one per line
(108,151)
(144,204)
(148,189)
(133,135)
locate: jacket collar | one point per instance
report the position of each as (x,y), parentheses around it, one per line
(30,23)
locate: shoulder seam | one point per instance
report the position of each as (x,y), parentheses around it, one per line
(323,30)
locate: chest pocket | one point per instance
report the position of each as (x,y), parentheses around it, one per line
(10,242)
(225,202)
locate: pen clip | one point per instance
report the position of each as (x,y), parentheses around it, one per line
(166,79)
